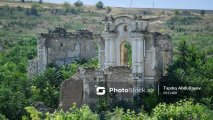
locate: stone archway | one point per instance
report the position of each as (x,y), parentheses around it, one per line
(126,53)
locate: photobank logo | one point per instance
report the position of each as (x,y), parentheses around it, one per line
(100,90)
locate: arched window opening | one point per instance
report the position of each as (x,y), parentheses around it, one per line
(125,28)
(126,54)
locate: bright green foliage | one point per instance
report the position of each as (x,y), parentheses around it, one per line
(92,63)
(119,114)
(83,113)
(68,70)
(2,117)
(129,48)
(34,114)
(14,84)
(183,110)
(192,68)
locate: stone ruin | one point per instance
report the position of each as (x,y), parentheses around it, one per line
(151,55)
(60,47)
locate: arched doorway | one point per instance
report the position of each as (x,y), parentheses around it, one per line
(126,53)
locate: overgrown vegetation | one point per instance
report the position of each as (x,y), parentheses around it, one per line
(182,20)
(183,110)
(19,27)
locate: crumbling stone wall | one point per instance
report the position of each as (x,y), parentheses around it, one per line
(71,92)
(61,47)
(81,88)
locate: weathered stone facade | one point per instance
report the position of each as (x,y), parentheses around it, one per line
(61,47)
(151,52)
(151,55)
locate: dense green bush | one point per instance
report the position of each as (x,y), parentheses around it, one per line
(190,68)
(183,110)
(78,3)
(15,90)
(182,20)
(83,113)
(2,117)
(99,5)
(34,114)
(119,114)
(46,87)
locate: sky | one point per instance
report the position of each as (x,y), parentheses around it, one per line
(173,4)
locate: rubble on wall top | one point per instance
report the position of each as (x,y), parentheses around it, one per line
(135,17)
(80,32)
(58,30)
(158,34)
(61,32)
(118,67)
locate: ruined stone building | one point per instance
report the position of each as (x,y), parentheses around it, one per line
(151,53)
(61,48)
(129,56)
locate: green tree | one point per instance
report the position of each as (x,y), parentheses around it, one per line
(176,12)
(78,3)
(99,5)
(66,6)
(191,68)
(23,1)
(46,87)
(202,12)
(163,12)
(182,110)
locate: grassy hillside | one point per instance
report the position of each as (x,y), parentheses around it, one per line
(17,21)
